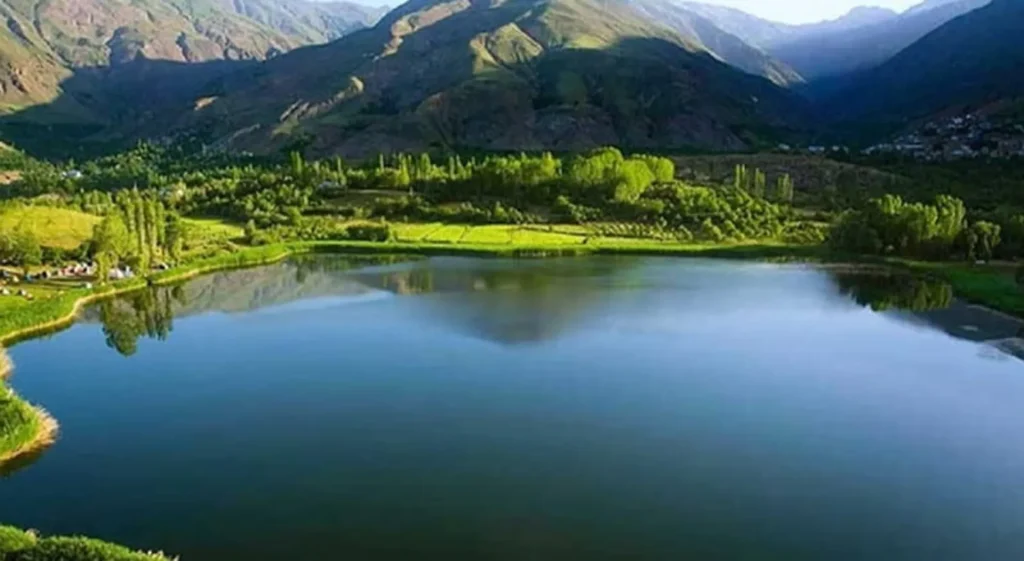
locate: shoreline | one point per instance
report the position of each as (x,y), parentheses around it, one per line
(49,430)
(68,307)
(48,427)
(956,274)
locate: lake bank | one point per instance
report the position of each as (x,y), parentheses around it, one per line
(50,314)
(24,428)
(983,286)
(357,372)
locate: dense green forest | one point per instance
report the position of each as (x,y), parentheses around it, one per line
(142,193)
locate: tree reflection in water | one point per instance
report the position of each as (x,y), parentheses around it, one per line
(895,291)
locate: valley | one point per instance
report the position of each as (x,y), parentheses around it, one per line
(427,275)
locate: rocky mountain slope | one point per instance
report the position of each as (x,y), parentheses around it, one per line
(727,47)
(46,41)
(499,75)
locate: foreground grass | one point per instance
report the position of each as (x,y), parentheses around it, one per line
(19,545)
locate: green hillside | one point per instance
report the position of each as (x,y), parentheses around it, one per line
(53,227)
(514,75)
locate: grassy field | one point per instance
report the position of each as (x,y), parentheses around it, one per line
(53,227)
(994,286)
(213,228)
(415,232)
(497,235)
(447,234)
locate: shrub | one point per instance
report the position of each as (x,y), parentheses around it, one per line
(13,540)
(369,232)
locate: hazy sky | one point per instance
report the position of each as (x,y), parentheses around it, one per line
(788,11)
(806,11)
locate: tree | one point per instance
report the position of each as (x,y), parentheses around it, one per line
(760,184)
(174,237)
(784,189)
(6,246)
(987,239)
(111,243)
(250,231)
(741,178)
(298,166)
(26,252)
(634,178)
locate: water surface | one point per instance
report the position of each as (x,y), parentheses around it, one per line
(597,408)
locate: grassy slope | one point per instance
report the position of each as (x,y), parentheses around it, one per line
(54,227)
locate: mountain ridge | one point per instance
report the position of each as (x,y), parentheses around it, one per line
(512,75)
(49,39)
(973,59)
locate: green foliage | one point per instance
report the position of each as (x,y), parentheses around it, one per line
(980,240)
(369,232)
(891,226)
(75,549)
(13,541)
(634,177)
(19,422)
(20,248)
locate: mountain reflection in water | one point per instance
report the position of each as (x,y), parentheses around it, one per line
(533,301)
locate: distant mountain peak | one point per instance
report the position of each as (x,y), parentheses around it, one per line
(870,14)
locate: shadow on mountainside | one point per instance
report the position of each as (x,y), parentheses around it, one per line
(109,107)
(646,93)
(430,94)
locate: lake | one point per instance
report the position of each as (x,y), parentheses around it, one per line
(587,408)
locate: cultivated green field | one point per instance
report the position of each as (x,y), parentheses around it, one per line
(415,232)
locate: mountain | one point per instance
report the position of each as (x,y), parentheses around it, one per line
(498,75)
(974,59)
(765,34)
(864,38)
(48,40)
(755,31)
(726,46)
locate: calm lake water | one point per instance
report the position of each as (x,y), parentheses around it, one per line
(592,409)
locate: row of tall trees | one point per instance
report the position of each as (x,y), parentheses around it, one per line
(137,234)
(756,183)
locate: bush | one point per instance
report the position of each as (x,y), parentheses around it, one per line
(13,540)
(369,232)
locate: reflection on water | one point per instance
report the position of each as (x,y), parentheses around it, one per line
(895,291)
(534,301)
(593,408)
(930,303)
